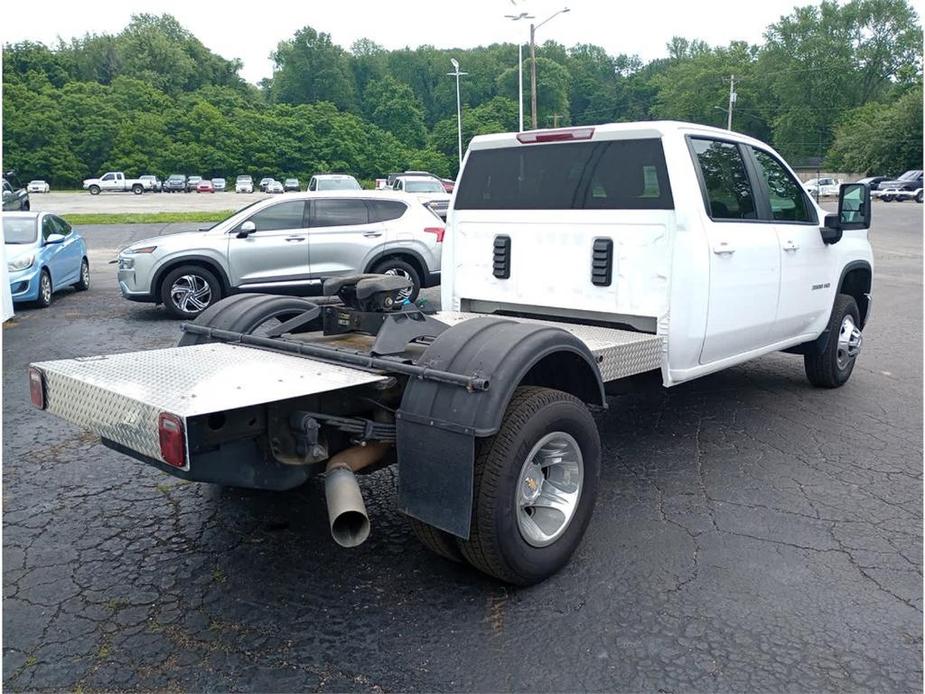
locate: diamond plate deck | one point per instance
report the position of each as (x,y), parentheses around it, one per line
(120,396)
(621,353)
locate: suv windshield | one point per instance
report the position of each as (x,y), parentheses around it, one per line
(604,175)
(337,184)
(176,177)
(18,231)
(244,179)
(423,186)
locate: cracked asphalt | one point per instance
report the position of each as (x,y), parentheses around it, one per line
(752,533)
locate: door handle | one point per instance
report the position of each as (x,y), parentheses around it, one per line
(723,248)
(791,245)
(295,238)
(372,234)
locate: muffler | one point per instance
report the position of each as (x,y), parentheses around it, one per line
(346,509)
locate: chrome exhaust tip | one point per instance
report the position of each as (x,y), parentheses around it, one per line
(346,509)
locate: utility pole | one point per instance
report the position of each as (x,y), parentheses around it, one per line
(533,75)
(520,68)
(732,100)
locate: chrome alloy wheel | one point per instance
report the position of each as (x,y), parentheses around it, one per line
(398,272)
(85,274)
(849,342)
(549,488)
(45,288)
(190,293)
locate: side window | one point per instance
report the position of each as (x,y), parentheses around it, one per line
(109,177)
(398,185)
(49,227)
(385,210)
(339,212)
(59,226)
(313,184)
(787,197)
(284,215)
(727,187)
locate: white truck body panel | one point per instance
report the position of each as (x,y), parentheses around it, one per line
(719,292)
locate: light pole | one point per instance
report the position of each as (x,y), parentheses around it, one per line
(533,60)
(457,74)
(520,68)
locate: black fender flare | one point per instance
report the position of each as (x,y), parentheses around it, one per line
(437,423)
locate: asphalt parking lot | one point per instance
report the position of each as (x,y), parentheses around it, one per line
(751,533)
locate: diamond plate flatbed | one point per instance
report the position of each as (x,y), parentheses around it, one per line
(120,396)
(620,353)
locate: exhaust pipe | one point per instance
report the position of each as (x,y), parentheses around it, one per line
(346,509)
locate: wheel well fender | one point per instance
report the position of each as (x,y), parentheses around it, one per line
(856,278)
(198,260)
(437,423)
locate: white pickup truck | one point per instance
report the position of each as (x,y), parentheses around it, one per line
(116,182)
(573,259)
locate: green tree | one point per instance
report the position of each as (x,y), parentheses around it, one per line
(880,138)
(393,107)
(309,68)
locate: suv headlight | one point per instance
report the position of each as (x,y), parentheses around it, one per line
(20,263)
(140,249)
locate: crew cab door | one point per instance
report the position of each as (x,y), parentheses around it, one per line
(276,251)
(110,181)
(744,253)
(807,288)
(341,236)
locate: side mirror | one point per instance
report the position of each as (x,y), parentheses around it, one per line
(853,212)
(246,229)
(854,206)
(54,238)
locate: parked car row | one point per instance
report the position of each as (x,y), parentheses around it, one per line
(908,186)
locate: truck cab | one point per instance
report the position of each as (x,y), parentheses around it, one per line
(702,236)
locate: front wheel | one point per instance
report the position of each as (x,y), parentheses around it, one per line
(918,196)
(83,284)
(45,290)
(400,268)
(189,290)
(137,189)
(94,190)
(535,486)
(832,367)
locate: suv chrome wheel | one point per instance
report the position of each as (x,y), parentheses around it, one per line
(549,488)
(190,293)
(398,272)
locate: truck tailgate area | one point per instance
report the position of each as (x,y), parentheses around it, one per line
(120,396)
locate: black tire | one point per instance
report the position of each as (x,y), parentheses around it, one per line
(918,197)
(397,266)
(886,198)
(827,369)
(245,313)
(83,284)
(138,189)
(94,190)
(437,541)
(45,290)
(198,275)
(496,545)
(26,206)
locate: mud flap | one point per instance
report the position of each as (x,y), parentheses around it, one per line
(435,479)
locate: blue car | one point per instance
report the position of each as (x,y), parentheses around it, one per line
(43,254)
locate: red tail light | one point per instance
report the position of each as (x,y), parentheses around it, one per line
(532,137)
(439,231)
(37,387)
(173,445)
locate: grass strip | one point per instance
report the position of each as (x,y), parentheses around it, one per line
(80,218)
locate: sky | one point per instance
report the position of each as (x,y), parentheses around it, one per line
(252,32)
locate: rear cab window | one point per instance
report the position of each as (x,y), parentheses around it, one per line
(603,175)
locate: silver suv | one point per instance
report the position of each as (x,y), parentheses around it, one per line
(286,245)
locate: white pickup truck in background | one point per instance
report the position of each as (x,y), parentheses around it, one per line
(116,182)
(573,259)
